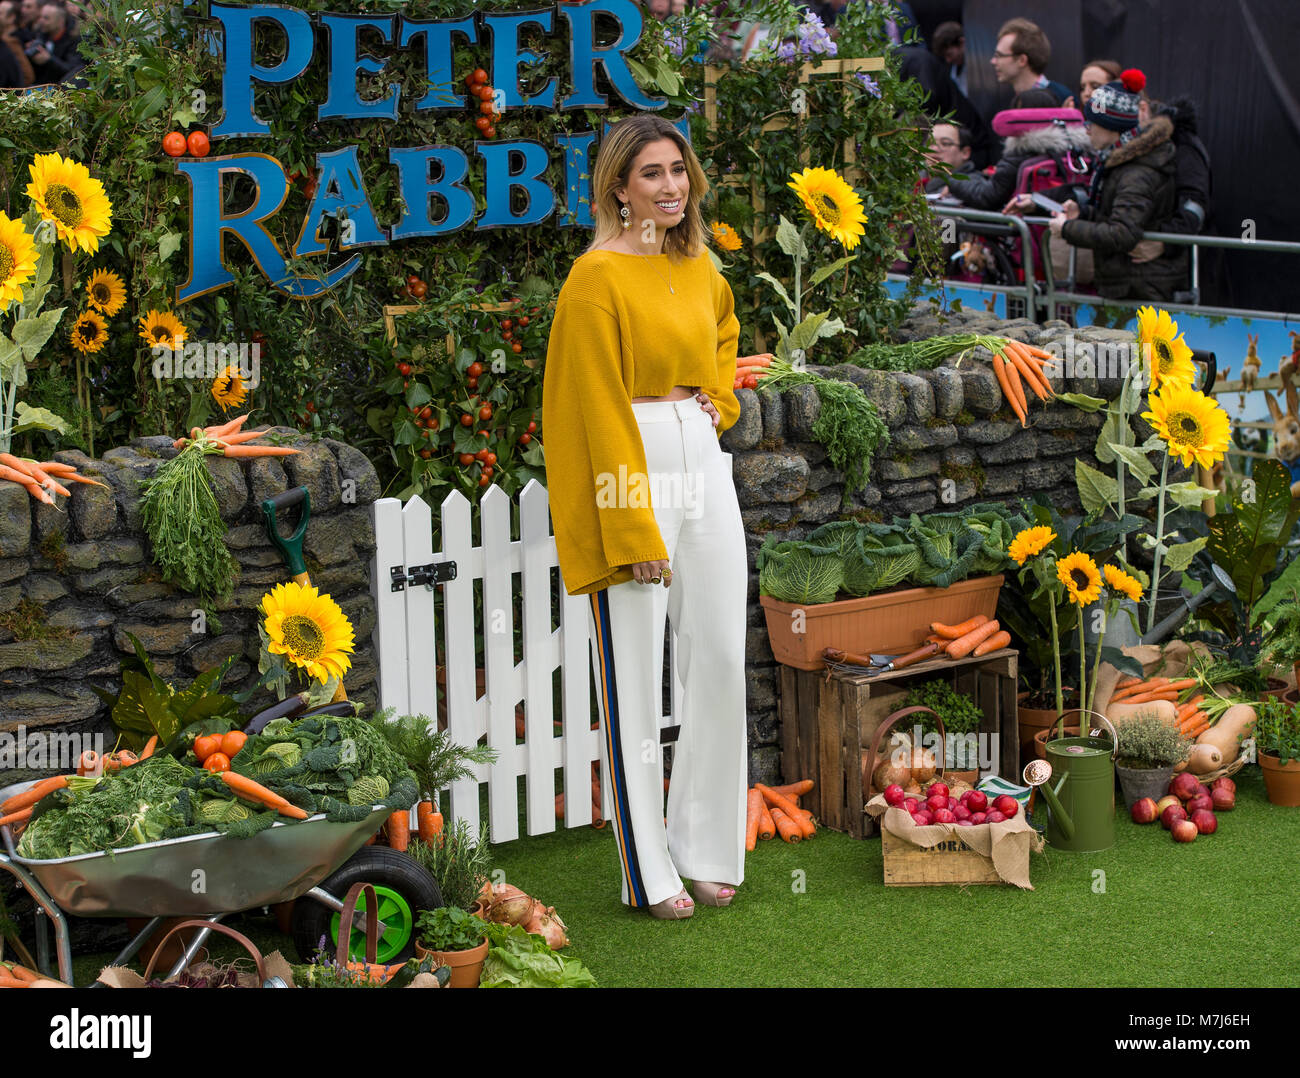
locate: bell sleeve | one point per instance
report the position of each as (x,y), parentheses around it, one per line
(591,433)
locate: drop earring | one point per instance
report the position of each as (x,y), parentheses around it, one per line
(624,213)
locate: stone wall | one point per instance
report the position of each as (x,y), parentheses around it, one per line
(953,442)
(75,580)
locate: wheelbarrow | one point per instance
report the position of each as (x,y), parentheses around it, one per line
(212,875)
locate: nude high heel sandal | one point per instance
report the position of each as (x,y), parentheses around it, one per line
(669,910)
(710,894)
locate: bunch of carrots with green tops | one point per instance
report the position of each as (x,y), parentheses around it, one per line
(774,810)
(1194,712)
(234,441)
(1015,361)
(42,480)
(749,369)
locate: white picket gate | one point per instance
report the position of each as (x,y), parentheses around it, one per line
(404,639)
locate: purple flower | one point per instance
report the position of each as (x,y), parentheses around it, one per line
(785,51)
(869,84)
(676,42)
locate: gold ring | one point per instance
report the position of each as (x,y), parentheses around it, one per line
(654,580)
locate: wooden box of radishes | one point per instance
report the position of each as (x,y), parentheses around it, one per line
(945,836)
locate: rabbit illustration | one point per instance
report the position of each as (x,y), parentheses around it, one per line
(1286,427)
(1250,367)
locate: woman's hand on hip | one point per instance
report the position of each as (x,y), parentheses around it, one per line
(651,572)
(708,407)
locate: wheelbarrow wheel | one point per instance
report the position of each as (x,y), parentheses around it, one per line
(404,888)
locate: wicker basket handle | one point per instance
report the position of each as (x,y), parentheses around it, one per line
(372,923)
(216,926)
(887,725)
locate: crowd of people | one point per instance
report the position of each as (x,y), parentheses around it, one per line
(41,39)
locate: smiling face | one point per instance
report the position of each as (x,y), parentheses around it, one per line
(656,190)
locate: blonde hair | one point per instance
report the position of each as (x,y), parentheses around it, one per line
(613,168)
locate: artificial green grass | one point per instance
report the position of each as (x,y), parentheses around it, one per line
(1223,911)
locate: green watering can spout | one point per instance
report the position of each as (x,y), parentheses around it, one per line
(1037,773)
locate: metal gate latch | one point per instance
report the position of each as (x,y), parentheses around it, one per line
(436,572)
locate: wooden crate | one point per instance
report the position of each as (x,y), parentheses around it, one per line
(829,717)
(949,862)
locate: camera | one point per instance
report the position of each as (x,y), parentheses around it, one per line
(33,47)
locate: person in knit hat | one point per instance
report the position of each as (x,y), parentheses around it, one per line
(1133,190)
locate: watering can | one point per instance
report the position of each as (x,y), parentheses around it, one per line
(1081,805)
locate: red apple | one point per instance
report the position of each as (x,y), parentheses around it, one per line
(937,802)
(1223,783)
(1006,804)
(994,817)
(977,800)
(1172,815)
(945,816)
(978,818)
(1185,785)
(965,823)
(962,813)
(1205,821)
(911,804)
(1200,801)
(940,788)
(923,817)
(1144,811)
(1165,802)
(1184,831)
(1222,799)
(894,795)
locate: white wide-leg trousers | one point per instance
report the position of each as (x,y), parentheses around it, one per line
(695,506)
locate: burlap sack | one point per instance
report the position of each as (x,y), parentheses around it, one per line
(1007,844)
(275,963)
(1158,660)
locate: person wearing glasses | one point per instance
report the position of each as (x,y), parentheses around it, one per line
(1021,57)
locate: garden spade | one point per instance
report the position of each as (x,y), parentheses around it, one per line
(290,547)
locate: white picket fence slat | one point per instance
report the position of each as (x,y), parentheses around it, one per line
(508,568)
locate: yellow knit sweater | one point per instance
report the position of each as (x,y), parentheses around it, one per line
(618,333)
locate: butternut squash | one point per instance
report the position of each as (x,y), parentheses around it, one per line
(1234,726)
(1121,712)
(1204,759)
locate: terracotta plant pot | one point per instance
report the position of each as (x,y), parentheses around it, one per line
(1034,719)
(891,622)
(1291,696)
(970,778)
(1276,687)
(1041,738)
(1282,781)
(466,966)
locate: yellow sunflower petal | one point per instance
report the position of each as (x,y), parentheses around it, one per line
(18,258)
(1029,542)
(308,628)
(89,332)
(1192,425)
(64,191)
(106,292)
(228,388)
(1165,353)
(1121,582)
(1081,577)
(162,328)
(835,208)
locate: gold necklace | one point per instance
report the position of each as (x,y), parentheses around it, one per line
(669,281)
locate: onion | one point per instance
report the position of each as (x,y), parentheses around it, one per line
(547,924)
(510,906)
(888,773)
(923,765)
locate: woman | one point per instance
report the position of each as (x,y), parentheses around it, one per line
(639,367)
(1095,73)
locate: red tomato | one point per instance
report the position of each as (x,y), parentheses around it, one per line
(507,325)
(411,278)
(490,132)
(232,742)
(524,439)
(466,420)
(198,144)
(419,290)
(174,144)
(485,107)
(516,347)
(485,413)
(487,469)
(404,369)
(491,458)
(508,335)
(425,454)
(523,320)
(217,762)
(474,370)
(479,76)
(482,123)
(466,459)
(484,480)
(532,428)
(205,746)
(432,424)
(472,383)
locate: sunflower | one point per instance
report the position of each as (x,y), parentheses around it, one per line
(1029,542)
(228,388)
(1160,341)
(309,629)
(1081,577)
(725,236)
(1192,425)
(162,328)
(107,292)
(65,191)
(1120,581)
(89,333)
(17,259)
(833,205)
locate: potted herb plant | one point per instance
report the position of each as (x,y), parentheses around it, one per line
(455,938)
(961,718)
(1277,744)
(459,863)
(1282,639)
(1149,750)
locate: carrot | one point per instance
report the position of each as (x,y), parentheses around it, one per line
(23,973)
(776,800)
(1198,729)
(22,478)
(1037,383)
(786,827)
(8,981)
(1154,694)
(34,794)
(763,359)
(1004,380)
(89,763)
(75,478)
(766,825)
(954,632)
(33,471)
(753,813)
(221,430)
(240,437)
(1013,379)
(1189,708)
(428,822)
(1125,682)
(57,467)
(399,831)
(259,451)
(255,791)
(998,640)
(149,746)
(805,821)
(17,817)
(795,789)
(962,647)
(1182,685)
(1140,687)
